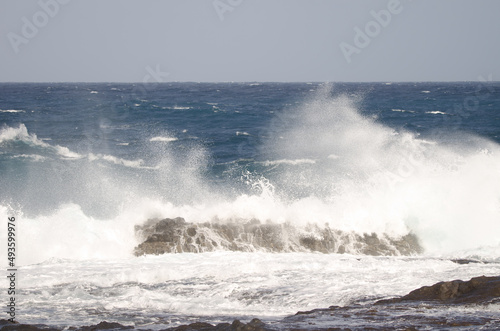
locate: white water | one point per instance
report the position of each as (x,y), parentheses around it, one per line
(163,139)
(330,165)
(219,286)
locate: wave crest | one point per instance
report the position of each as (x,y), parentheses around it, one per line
(21,134)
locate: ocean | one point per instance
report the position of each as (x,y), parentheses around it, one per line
(83,166)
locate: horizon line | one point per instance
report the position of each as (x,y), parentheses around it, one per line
(243,82)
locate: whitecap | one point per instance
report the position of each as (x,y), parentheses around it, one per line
(163,139)
(128,163)
(138,164)
(11,111)
(34,157)
(66,153)
(21,134)
(403,110)
(436,112)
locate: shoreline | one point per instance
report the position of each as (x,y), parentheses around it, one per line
(441,305)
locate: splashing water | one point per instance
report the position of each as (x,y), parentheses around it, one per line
(321,162)
(279,175)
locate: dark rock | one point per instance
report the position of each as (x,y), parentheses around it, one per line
(222,327)
(7,322)
(106,326)
(191,231)
(406,315)
(254,325)
(199,326)
(477,290)
(237,325)
(465,261)
(25,327)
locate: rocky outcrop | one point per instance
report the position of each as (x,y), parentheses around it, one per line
(425,308)
(477,290)
(105,326)
(177,236)
(237,325)
(5,325)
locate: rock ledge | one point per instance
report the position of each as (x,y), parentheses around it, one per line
(477,290)
(178,236)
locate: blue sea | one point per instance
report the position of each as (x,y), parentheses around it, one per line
(82,165)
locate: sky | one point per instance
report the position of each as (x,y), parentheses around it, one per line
(249,40)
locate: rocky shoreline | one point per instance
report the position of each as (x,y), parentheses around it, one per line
(440,306)
(178,236)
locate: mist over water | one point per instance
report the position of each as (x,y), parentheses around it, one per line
(363,176)
(320,161)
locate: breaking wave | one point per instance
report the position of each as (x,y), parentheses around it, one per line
(327,179)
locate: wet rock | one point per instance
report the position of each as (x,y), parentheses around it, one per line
(105,326)
(177,236)
(466,261)
(7,326)
(477,290)
(222,327)
(253,325)
(191,231)
(237,325)
(7,322)
(409,315)
(199,326)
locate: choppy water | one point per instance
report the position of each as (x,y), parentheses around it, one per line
(82,164)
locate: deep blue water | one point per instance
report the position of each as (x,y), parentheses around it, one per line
(71,115)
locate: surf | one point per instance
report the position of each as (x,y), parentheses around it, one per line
(322,164)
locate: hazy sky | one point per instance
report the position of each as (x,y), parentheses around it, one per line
(249,40)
